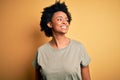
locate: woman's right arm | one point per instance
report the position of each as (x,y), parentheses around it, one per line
(37,74)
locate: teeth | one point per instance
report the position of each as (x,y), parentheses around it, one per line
(64,27)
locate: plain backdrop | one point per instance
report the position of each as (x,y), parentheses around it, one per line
(95,23)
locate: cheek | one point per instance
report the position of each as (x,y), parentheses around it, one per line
(56,23)
(59,23)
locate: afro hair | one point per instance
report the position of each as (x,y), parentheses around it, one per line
(47,14)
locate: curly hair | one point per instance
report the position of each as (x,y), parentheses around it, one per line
(47,14)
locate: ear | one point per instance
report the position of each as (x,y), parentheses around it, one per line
(49,24)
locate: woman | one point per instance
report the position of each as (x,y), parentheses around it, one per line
(61,58)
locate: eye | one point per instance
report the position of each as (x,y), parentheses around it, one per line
(59,19)
(67,20)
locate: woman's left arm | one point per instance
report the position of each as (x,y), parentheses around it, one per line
(85,73)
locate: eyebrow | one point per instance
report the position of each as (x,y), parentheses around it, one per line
(61,17)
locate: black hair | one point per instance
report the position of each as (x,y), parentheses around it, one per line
(48,13)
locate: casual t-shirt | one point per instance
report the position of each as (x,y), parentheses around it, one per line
(61,64)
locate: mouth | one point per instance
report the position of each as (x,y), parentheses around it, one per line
(64,27)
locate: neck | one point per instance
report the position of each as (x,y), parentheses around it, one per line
(59,41)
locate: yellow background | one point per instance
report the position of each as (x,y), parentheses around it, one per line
(96,23)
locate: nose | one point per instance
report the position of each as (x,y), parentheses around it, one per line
(65,22)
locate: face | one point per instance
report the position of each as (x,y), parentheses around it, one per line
(59,23)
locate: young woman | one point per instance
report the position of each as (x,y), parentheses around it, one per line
(61,58)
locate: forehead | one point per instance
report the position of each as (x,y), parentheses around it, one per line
(59,14)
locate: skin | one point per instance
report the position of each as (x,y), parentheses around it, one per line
(60,26)
(85,73)
(37,74)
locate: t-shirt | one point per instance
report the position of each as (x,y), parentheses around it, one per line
(61,64)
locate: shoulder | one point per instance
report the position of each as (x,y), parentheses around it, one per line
(43,47)
(76,43)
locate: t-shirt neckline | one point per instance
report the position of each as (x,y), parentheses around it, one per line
(56,49)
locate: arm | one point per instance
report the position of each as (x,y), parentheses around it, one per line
(85,73)
(37,76)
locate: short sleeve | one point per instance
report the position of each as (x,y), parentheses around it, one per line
(35,63)
(85,57)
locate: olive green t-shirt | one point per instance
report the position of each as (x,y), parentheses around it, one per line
(61,64)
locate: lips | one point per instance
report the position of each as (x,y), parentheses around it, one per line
(63,27)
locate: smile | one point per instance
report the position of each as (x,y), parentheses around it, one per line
(63,27)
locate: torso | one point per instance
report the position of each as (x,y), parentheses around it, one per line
(60,64)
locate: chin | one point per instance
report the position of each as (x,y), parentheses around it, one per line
(64,32)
